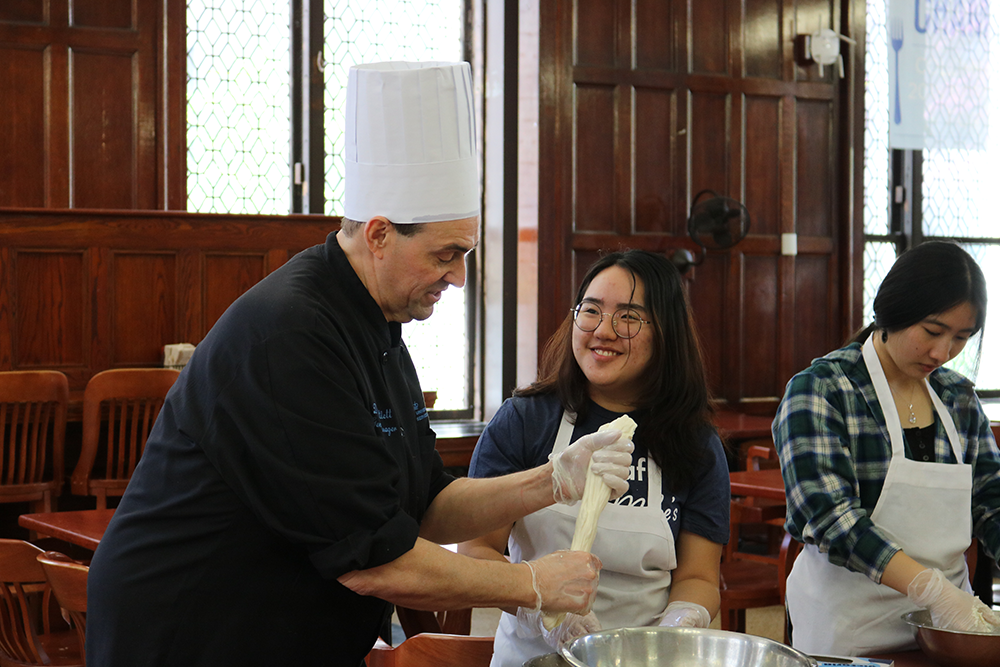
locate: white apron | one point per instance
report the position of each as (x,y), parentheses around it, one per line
(924,508)
(634,543)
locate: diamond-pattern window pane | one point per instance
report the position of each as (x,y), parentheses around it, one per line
(960,158)
(358,31)
(239,109)
(878,260)
(960,162)
(988,375)
(876,175)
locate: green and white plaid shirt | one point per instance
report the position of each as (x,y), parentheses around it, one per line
(834,448)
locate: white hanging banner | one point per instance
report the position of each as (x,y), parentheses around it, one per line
(938,73)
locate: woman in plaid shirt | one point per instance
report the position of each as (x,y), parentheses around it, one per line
(890,467)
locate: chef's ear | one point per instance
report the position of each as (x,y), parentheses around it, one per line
(378,233)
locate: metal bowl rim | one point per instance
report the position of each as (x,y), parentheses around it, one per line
(911,617)
(711,632)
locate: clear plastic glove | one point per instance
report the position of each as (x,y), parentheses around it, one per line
(682,614)
(951,608)
(565,581)
(529,624)
(612,459)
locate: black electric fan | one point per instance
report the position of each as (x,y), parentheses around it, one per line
(715,222)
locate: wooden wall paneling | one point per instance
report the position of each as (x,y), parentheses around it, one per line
(706,282)
(763,172)
(6,308)
(227,276)
(144,317)
(106,62)
(758,345)
(763,40)
(709,42)
(22,126)
(99,302)
(104,152)
(190,305)
(49,309)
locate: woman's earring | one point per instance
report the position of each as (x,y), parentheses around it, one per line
(885,335)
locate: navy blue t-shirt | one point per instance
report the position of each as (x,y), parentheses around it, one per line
(522,433)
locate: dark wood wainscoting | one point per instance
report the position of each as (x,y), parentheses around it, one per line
(82,291)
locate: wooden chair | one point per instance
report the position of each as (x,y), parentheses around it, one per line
(763,518)
(32,434)
(747,581)
(452,622)
(122,404)
(68,580)
(433,650)
(31,630)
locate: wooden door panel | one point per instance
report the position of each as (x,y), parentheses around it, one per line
(815,168)
(758,342)
(655,35)
(709,127)
(595,158)
(762,39)
(709,30)
(643,105)
(22,124)
(103,14)
(49,309)
(706,283)
(144,312)
(816,301)
(762,171)
(655,157)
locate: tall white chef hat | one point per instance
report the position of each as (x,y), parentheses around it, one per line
(411,143)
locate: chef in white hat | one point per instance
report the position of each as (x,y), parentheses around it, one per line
(290,491)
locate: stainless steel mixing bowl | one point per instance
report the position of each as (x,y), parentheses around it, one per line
(952,648)
(547,660)
(680,647)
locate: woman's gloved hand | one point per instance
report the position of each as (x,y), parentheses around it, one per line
(951,608)
(529,624)
(612,458)
(565,581)
(682,614)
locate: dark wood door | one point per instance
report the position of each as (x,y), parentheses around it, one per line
(88,116)
(644,103)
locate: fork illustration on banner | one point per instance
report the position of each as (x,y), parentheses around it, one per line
(896,39)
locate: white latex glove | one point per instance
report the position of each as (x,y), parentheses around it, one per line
(685,615)
(612,459)
(951,608)
(529,624)
(565,581)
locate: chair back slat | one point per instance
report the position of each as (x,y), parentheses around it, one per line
(33,407)
(119,409)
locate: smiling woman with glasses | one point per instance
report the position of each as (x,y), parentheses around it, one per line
(627,347)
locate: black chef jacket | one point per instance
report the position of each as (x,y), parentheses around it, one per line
(294,447)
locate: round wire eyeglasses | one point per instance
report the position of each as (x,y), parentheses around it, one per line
(626,322)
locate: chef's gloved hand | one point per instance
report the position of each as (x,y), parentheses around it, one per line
(529,624)
(612,456)
(565,581)
(682,614)
(951,608)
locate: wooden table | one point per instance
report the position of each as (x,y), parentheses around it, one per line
(84,528)
(758,484)
(736,426)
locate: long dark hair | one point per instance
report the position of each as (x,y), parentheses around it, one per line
(674,391)
(926,280)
